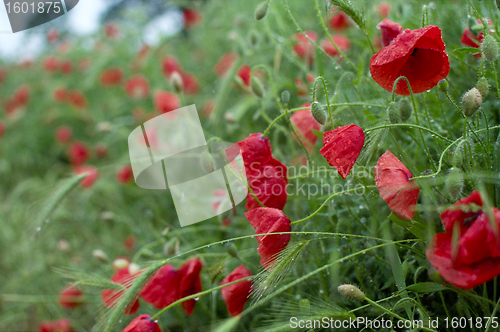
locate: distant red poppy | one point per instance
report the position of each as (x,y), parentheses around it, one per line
(342,146)
(395,188)
(66,67)
(71,297)
(419,55)
(302,88)
(166,101)
(22,94)
(341,41)
(170,65)
(236,295)
(2,129)
(389,30)
(52,35)
(142,323)
(51,64)
(91,177)
(112,76)
(63,134)
(475,258)
(305,124)
(59,94)
(125,174)
(244,74)
(304,49)
(78,153)
(101,150)
(269,220)
(111,296)
(137,87)
(225,63)
(129,242)
(339,20)
(384,8)
(190,84)
(61,325)
(111,30)
(77,99)
(189,283)
(3,73)
(192,17)
(161,289)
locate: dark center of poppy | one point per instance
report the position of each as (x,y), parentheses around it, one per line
(414,51)
(469,220)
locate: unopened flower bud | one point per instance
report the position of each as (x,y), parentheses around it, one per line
(318,113)
(100,255)
(483,86)
(261,10)
(490,48)
(454,183)
(285,97)
(176,81)
(393,113)
(351,292)
(458,158)
(171,247)
(471,101)
(253,38)
(257,87)
(443,85)
(405,109)
(304,305)
(232,249)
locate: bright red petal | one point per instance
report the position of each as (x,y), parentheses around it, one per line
(236,295)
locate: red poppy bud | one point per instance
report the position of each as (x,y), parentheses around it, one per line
(125,174)
(71,297)
(269,220)
(389,31)
(236,295)
(419,55)
(161,289)
(395,188)
(137,87)
(342,146)
(471,101)
(63,134)
(142,323)
(166,101)
(190,283)
(341,41)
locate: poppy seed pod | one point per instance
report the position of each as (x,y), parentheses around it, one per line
(483,86)
(351,292)
(393,113)
(471,101)
(454,183)
(261,10)
(318,113)
(257,87)
(443,85)
(285,97)
(405,109)
(490,48)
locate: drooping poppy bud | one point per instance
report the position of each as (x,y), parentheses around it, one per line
(236,295)
(318,113)
(142,323)
(393,113)
(285,97)
(405,109)
(70,297)
(351,292)
(261,10)
(471,101)
(490,48)
(443,85)
(454,183)
(483,86)
(257,87)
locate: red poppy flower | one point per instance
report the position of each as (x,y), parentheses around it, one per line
(170,65)
(63,134)
(472,40)
(61,325)
(137,87)
(129,242)
(59,94)
(341,41)
(3,73)
(52,35)
(384,8)
(91,177)
(125,174)
(190,84)
(419,55)
(477,256)
(269,185)
(51,64)
(389,30)
(78,154)
(142,323)
(392,179)
(2,128)
(269,220)
(302,88)
(244,74)
(111,296)
(22,94)
(304,122)
(342,146)
(161,289)
(77,99)
(339,20)
(236,295)
(111,77)
(71,297)
(66,67)
(304,49)
(189,283)
(225,63)
(111,29)
(166,101)
(255,150)
(192,17)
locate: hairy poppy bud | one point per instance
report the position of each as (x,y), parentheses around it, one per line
(458,158)
(257,87)
(393,113)
(405,109)
(176,81)
(318,113)
(351,292)
(253,38)
(261,10)
(285,97)
(471,101)
(490,48)
(454,183)
(483,86)
(443,85)
(232,249)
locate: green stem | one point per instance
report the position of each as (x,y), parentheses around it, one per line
(409,126)
(496,78)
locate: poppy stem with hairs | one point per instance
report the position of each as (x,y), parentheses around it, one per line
(326,96)
(496,77)
(416,115)
(271,83)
